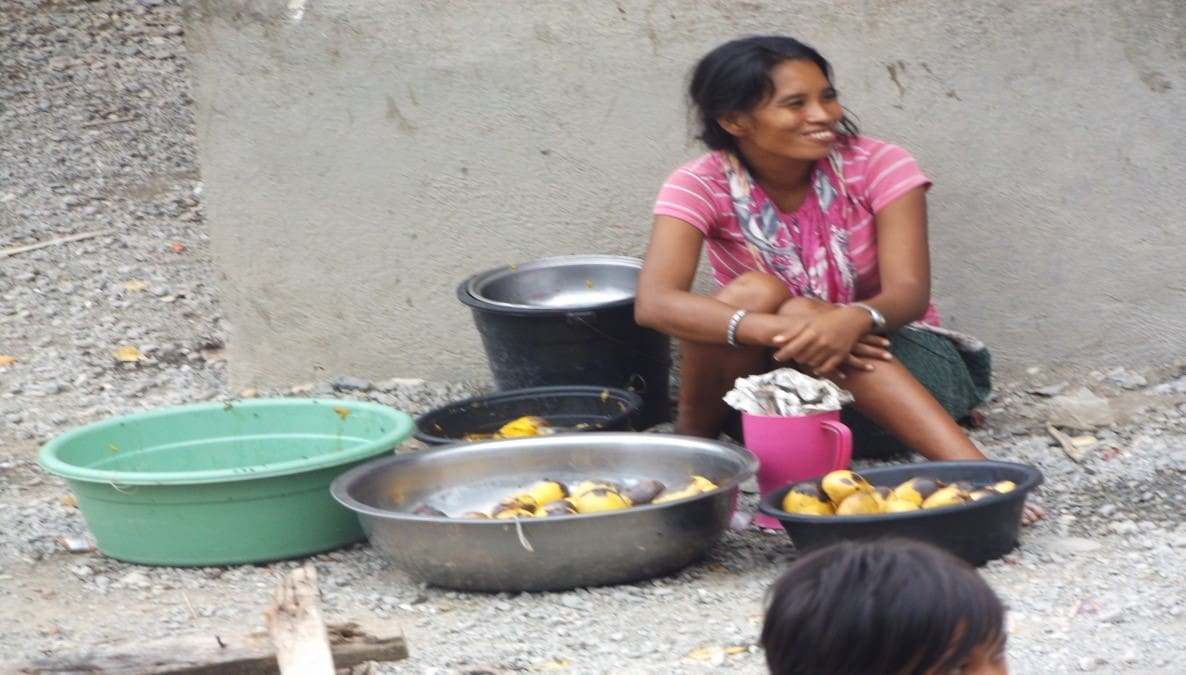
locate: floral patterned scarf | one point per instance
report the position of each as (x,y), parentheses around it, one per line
(810,252)
(809,248)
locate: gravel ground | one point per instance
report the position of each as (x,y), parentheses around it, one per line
(96,141)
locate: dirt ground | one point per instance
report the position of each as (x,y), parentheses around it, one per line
(1096,586)
(97,141)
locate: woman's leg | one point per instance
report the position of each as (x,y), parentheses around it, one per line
(891,397)
(707,370)
(941,369)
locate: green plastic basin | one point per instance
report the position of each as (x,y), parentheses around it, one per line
(222,483)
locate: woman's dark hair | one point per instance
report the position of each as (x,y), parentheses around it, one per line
(888,607)
(736,77)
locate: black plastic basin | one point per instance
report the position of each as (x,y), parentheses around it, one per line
(977,532)
(568,408)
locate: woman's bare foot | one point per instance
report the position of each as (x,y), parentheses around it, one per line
(1032,513)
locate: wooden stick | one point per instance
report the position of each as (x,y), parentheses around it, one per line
(5,252)
(1068,445)
(298,632)
(352,644)
(103,123)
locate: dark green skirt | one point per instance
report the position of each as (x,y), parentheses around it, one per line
(959,380)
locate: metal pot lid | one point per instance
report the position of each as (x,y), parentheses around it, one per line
(560,283)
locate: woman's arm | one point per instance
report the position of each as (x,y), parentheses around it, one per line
(904,266)
(903,258)
(664,299)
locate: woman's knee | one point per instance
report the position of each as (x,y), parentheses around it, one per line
(755,291)
(801,306)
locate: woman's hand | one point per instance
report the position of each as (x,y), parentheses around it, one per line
(871,347)
(829,337)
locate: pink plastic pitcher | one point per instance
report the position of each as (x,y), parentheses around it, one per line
(791,449)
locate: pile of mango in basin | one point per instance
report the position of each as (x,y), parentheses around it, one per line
(845,493)
(554,498)
(527,425)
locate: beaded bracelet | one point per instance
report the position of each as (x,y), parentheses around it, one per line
(731,331)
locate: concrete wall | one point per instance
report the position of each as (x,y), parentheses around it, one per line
(361,158)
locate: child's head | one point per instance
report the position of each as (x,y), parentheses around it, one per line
(889,607)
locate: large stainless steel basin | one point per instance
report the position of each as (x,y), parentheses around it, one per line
(553,553)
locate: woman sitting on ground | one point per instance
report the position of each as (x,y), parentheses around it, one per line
(817,240)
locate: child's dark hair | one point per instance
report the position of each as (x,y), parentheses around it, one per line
(891,607)
(736,77)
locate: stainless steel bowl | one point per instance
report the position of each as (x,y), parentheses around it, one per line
(542,554)
(568,282)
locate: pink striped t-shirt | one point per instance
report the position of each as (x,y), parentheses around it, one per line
(875,173)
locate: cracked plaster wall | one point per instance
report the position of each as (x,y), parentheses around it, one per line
(362,158)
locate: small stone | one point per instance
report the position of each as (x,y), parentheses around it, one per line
(1113,616)
(1075,545)
(1176,386)
(573,602)
(1081,409)
(76,545)
(1124,527)
(134,580)
(350,384)
(1126,379)
(1050,390)
(397,383)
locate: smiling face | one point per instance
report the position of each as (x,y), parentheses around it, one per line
(796,121)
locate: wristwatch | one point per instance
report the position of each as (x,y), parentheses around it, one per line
(876,316)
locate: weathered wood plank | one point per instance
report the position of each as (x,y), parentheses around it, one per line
(298,631)
(252,654)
